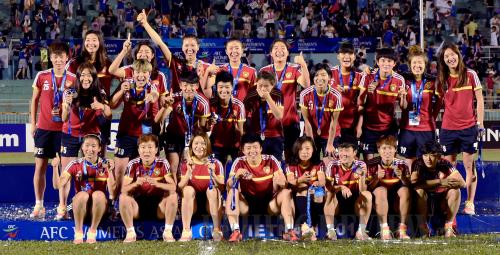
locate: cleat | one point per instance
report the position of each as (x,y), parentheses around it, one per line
(307,233)
(385,233)
(331,234)
(448,231)
(62,213)
(362,236)
(290,236)
(130,237)
(38,212)
(236,236)
(402,235)
(217,235)
(168,237)
(469,208)
(91,237)
(78,239)
(186,236)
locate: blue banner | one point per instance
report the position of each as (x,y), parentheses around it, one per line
(12,138)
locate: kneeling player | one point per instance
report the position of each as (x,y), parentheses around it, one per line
(257,185)
(389,179)
(92,176)
(148,190)
(437,179)
(347,191)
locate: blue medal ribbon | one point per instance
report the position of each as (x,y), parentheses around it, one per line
(58,91)
(85,176)
(351,80)
(228,113)
(320,110)
(479,162)
(377,77)
(189,118)
(236,182)
(151,170)
(263,118)
(417,95)
(81,114)
(236,78)
(211,159)
(279,82)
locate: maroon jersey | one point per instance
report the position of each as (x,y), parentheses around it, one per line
(459,109)
(338,175)
(200,177)
(224,133)
(245,80)
(177,65)
(254,106)
(289,86)
(178,125)
(159,170)
(425,99)
(160,82)
(104,76)
(390,179)
(349,115)
(380,104)
(87,177)
(261,184)
(43,83)
(135,111)
(298,171)
(443,169)
(319,114)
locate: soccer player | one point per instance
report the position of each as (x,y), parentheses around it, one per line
(347,192)
(438,180)
(321,105)
(264,109)
(288,77)
(243,75)
(139,98)
(257,184)
(388,180)
(92,175)
(190,112)
(48,88)
(305,176)
(190,47)
(461,119)
(345,78)
(418,121)
(201,183)
(228,118)
(148,190)
(379,92)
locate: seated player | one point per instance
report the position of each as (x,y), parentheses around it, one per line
(436,179)
(201,183)
(92,176)
(305,176)
(148,190)
(257,185)
(388,180)
(347,190)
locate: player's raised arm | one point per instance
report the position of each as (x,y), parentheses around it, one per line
(114,68)
(142,18)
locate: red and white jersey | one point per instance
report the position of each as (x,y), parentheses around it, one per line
(159,170)
(443,169)
(430,98)
(134,112)
(349,115)
(104,76)
(459,108)
(338,175)
(288,89)
(43,83)
(224,133)
(390,179)
(254,105)
(200,177)
(379,107)
(261,184)
(298,171)
(160,82)
(87,177)
(177,65)
(178,125)
(246,80)
(312,102)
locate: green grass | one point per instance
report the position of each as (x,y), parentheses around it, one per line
(466,244)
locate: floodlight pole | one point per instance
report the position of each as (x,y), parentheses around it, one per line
(422,24)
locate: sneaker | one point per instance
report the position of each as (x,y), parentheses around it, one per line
(217,235)
(362,236)
(38,212)
(331,234)
(448,231)
(307,233)
(91,237)
(290,236)
(78,238)
(130,237)
(62,213)
(385,233)
(469,208)
(186,236)
(168,237)
(236,236)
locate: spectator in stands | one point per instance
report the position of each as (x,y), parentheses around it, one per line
(269,22)
(470,28)
(494,36)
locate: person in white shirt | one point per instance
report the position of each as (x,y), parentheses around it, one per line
(494,36)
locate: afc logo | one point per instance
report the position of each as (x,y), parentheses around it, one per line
(11,232)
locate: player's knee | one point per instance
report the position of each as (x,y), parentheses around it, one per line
(188,192)
(98,196)
(454,194)
(367,196)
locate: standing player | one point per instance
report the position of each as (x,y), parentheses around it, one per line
(148,190)
(345,78)
(257,185)
(461,120)
(418,120)
(264,109)
(288,77)
(321,105)
(92,176)
(388,180)
(48,90)
(347,192)
(201,182)
(379,92)
(229,117)
(436,179)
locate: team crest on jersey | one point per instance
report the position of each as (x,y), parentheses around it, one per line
(310,105)
(78,176)
(46,85)
(288,75)
(393,87)
(178,109)
(245,74)
(428,85)
(267,170)
(157,172)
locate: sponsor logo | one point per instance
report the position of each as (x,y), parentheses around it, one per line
(11,232)
(9,140)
